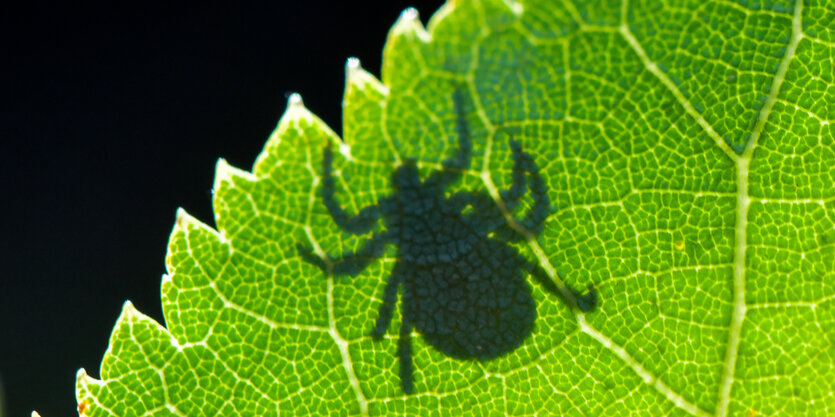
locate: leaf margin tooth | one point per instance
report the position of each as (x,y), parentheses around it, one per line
(357,77)
(183,220)
(127,315)
(226,172)
(82,381)
(408,25)
(293,117)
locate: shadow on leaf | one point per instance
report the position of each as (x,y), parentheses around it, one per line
(464,286)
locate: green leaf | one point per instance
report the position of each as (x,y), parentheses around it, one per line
(687,151)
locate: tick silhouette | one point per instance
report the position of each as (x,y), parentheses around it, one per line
(464,288)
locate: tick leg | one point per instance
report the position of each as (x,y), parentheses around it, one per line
(521,160)
(306,252)
(541,208)
(584,302)
(404,351)
(587,301)
(360,224)
(455,165)
(387,307)
(350,263)
(522,163)
(540,275)
(353,263)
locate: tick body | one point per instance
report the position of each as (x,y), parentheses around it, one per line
(463,285)
(465,293)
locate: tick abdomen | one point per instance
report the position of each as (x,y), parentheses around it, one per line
(475,306)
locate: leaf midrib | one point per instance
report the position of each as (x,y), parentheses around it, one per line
(742,163)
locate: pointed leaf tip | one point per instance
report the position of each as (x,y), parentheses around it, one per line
(295,110)
(182,219)
(356,76)
(128,308)
(221,173)
(295,99)
(410,14)
(353,70)
(82,378)
(352,63)
(409,23)
(224,172)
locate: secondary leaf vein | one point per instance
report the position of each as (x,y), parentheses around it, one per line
(741,227)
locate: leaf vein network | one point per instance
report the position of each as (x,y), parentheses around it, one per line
(341,343)
(545,263)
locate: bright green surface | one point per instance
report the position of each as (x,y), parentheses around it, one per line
(688,152)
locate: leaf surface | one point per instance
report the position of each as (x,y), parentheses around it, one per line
(687,150)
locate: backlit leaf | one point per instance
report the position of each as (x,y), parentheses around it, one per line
(687,149)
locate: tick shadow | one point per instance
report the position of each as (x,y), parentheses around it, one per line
(463,285)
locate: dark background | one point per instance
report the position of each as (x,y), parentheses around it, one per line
(112,117)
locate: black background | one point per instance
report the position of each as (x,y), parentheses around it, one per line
(112,117)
